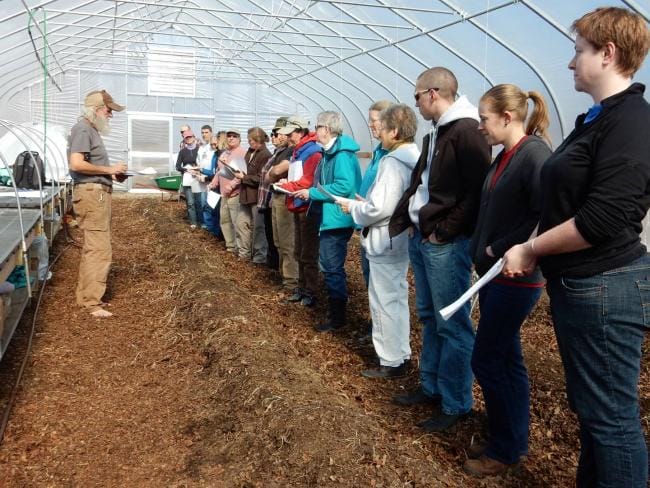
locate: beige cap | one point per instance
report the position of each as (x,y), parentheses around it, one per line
(294,123)
(101,98)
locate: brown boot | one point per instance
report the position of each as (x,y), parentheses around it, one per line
(476,449)
(485,466)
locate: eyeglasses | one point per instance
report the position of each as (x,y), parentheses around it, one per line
(321,127)
(229,136)
(421,92)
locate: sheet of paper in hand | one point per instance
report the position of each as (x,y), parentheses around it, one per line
(295,171)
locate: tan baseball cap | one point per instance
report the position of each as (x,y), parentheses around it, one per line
(294,123)
(101,98)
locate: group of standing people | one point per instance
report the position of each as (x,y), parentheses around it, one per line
(571,217)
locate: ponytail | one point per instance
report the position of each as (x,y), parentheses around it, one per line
(539,119)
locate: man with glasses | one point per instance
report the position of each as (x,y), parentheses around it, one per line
(93,177)
(440,209)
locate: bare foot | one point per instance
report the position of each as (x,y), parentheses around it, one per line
(101,313)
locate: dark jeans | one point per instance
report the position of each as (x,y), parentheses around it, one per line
(498,365)
(272,256)
(365,267)
(306,252)
(193,202)
(600,323)
(209,215)
(333,251)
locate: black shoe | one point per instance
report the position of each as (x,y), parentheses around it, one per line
(328,326)
(308,301)
(336,315)
(296,297)
(440,422)
(386,371)
(416,397)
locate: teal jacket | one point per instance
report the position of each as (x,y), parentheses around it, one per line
(339,173)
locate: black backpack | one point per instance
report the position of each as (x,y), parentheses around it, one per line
(25,173)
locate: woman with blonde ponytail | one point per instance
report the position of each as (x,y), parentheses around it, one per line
(509,212)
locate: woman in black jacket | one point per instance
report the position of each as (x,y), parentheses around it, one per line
(509,212)
(596,191)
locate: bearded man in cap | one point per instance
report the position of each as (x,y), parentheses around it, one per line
(93,177)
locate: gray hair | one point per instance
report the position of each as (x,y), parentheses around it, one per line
(402,118)
(331,120)
(380,105)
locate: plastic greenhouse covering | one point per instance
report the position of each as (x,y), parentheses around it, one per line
(239,64)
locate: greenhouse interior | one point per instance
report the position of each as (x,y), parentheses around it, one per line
(202,374)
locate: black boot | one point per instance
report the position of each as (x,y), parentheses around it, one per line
(336,315)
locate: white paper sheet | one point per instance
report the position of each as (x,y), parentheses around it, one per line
(336,198)
(187,179)
(277,188)
(213,198)
(295,171)
(451,309)
(237,164)
(144,171)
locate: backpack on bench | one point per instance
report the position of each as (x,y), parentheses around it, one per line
(25,173)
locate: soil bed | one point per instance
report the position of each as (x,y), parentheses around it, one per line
(204,377)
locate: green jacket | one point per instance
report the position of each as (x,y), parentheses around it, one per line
(339,173)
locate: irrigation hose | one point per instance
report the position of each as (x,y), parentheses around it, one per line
(14,391)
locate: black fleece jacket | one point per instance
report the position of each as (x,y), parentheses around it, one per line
(601,176)
(510,211)
(458,167)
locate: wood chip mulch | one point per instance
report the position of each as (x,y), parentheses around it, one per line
(205,377)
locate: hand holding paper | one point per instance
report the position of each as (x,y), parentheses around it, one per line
(451,309)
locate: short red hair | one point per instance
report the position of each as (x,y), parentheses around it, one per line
(626,29)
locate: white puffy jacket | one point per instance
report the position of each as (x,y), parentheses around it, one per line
(393,179)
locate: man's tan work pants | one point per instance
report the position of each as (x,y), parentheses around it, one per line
(92,206)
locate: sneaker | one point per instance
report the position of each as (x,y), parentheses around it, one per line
(486,466)
(387,372)
(416,397)
(440,422)
(193,226)
(308,301)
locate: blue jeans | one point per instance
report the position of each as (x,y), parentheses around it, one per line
(333,250)
(442,274)
(600,323)
(208,213)
(499,367)
(193,202)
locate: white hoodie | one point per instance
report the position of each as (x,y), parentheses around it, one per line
(393,179)
(460,109)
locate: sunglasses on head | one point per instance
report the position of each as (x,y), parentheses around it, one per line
(418,93)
